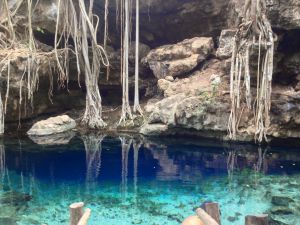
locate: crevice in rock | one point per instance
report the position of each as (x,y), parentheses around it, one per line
(288,57)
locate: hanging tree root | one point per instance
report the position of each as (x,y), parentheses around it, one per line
(74,26)
(16,45)
(254,32)
(93,112)
(136,107)
(125,27)
(80,31)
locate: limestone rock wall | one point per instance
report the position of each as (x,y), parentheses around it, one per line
(187,84)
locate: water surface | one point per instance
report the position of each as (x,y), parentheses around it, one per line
(149,182)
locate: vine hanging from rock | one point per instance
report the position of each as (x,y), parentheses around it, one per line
(125,39)
(254,34)
(75,36)
(16,45)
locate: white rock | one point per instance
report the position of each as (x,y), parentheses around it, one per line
(153,129)
(169,78)
(52,125)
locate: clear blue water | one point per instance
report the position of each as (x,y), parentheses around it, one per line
(159,183)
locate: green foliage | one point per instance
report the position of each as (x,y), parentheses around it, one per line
(38,29)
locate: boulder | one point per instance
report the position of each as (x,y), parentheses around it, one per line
(281,200)
(153,129)
(164,110)
(198,81)
(179,59)
(225,44)
(53,125)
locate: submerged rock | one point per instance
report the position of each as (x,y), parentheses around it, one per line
(13,197)
(8,221)
(276,222)
(53,125)
(281,200)
(281,211)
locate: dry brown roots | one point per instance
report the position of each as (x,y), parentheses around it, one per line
(16,44)
(254,35)
(78,25)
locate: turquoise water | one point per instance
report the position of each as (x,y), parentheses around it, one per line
(148,182)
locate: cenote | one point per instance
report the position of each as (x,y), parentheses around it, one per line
(148,111)
(159,181)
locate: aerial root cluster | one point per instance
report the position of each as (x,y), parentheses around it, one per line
(254,34)
(75,34)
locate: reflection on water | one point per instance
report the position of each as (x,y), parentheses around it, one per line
(130,180)
(125,144)
(136,147)
(93,149)
(2,160)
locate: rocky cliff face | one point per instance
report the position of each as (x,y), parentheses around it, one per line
(185,80)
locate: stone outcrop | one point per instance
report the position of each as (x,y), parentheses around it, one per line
(53,125)
(191,103)
(179,59)
(282,14)
(168,21)
(200,103)
(225,44)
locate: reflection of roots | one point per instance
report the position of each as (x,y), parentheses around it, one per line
(93,149)
(76,27)
(261,166)
(2,160)
(136,147)
(1,116)
(126,144)
(231,163)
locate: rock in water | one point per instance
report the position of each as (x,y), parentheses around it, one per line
(192,220)
(14,198)
(281,200)
(53,125)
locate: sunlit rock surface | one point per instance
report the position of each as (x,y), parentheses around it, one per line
(53,125)
(179,59)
